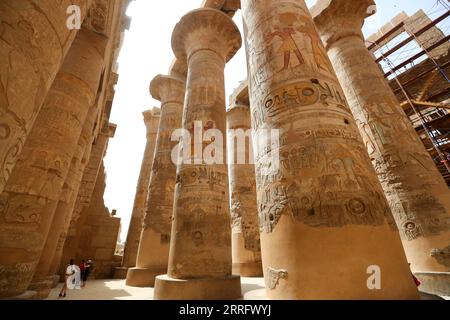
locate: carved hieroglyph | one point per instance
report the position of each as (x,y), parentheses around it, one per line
(88,182)
(201,245)
(34,40)
(154,243)
(246,247)
(151,120)
(30,197)
(417,194)
(61,219)
(324,216)
(67,203)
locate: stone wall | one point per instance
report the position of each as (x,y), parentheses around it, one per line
(99,233)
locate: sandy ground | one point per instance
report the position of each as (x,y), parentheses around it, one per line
(117,290)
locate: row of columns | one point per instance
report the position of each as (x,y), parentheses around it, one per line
(324,217)
(151,120)
(53,92)
(30,197)
(316,212)
(35,40)
(200,250)
(156,228)
(71,240)
(416,192)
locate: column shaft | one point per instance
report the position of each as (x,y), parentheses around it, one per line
(200,246)
(151,119)
(325,221)
(83,199)
(64,208)
(30,197)
(34,40)
(417,194)
(245,240)
(153,254)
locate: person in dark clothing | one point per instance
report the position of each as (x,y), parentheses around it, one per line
(87,271)
(82,269)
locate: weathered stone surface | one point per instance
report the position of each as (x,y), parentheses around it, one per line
(66,204)
(201,242)
(62,217)
(34,40)
(154,244)
(245,241)
(99,233)
(30,197)
(434,282)
(417,194)
(88,182)
(323,214)
(151,119)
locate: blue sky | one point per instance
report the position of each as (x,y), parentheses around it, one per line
(147,52)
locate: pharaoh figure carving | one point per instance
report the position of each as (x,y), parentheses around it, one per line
(315,183)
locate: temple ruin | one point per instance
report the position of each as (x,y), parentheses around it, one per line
(328,165)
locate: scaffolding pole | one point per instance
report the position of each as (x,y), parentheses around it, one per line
(430,135)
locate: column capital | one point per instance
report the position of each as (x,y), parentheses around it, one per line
(338,19)
(208,29)
(178,68)
(168,89)
(151,120)
(109,130)
(238,117)
(240,95)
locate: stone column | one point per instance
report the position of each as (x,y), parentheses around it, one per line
(200,248)
(326,225)
(42,279)
(151,119)
(29,200)
(153,254)
(34,39)
(68,251)
(99,232)
(417,194)
(245,241)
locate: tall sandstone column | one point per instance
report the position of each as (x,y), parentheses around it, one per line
(326,225)
(153,254)
(67,250)
(416,191)
(29,200)
(151,120)
(42,279)
(200,246)
(34,39)
(245,240)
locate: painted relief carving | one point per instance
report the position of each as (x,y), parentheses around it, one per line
(293,43)
(13,212)
(97,16)
(273,277)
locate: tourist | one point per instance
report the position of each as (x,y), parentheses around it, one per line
(82,270)
(75,280)
(87,270)
(69,276)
